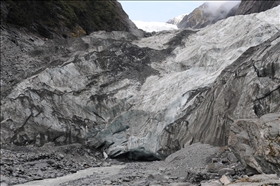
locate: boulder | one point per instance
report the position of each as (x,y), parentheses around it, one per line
(257,142)
(226,171)
(225,180)
(232,158)
(215,167)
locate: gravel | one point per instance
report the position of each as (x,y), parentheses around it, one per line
(197,164)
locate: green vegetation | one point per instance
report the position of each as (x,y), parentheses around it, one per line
(85,16)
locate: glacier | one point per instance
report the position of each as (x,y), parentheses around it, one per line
(146,98)
(154,26)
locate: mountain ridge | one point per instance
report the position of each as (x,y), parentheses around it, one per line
(208,13)
(62,19)
(211,12)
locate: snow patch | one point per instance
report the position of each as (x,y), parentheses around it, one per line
(154,26)
(176,20)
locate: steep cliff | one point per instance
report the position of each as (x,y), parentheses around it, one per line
(61,18)
(142,98)
(256,6)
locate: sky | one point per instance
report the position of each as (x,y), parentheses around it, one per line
(157,11)
(152,15)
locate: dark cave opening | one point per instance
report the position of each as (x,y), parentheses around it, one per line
(136,156)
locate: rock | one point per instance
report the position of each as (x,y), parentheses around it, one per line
(258,180)
(156,177)
(215,167)
(263,177)
(256,142)
(197,177)
(9,169)
(107,182)
(211,183)
(224,160)
(215,160)
(181,184)
(239,167)
(61,156)
(225,180)
(255,6)
(105,155)
(180,179)
(40,173)
(162,169)
(232,158)
(213,175)
(226,171)
(125,179)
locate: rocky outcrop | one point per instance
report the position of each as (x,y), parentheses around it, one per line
(256,142)
(62,19)
(207,14)
(256,6)
(144,98)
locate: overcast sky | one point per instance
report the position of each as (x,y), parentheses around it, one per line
(157,11)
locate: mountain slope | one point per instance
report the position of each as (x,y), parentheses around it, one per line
(66,18)
(249,7)
(207,14)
